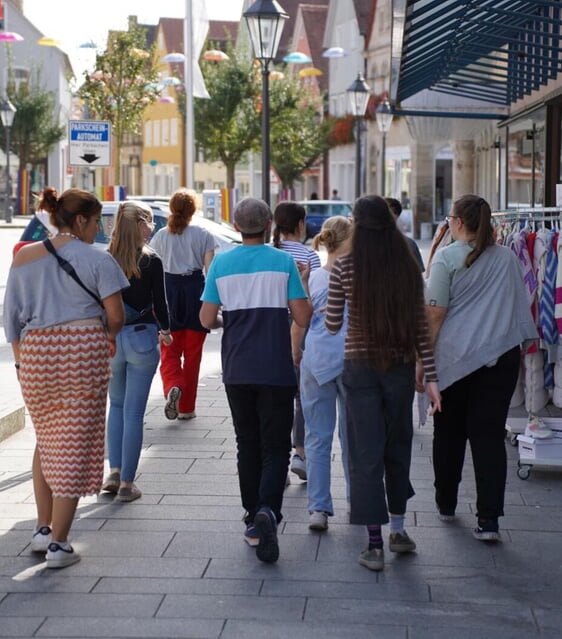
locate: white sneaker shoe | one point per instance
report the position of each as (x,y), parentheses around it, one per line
(41,539)
(318,520)
(537,429)
(61,555)
(298,466)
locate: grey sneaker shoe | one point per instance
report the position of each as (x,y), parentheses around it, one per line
(318,520)
(60,555)
(401,542)
(172,400)
(111,483)
(298,466)
(372,559)
(41,539)
(128,493)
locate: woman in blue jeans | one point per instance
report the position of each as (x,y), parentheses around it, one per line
(138,353)
(321,367)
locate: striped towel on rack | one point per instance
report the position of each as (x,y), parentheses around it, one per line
(546,310)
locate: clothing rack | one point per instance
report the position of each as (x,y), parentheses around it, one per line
(531,452)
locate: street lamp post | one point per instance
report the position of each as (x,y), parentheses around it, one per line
(358,94)
(7,113)
(265,20)
(384,116)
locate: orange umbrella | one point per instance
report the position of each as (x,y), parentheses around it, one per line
(308,72)
(215,55)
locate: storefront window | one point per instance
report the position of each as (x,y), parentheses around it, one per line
(526,145)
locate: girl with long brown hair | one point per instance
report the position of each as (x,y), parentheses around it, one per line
(387,330)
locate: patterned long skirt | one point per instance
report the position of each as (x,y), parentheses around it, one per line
(64,376)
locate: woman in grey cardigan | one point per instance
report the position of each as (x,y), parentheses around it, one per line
(479,316)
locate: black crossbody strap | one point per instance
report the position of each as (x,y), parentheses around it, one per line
(68,268)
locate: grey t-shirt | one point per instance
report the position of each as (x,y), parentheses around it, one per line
(41,294)
(185,252)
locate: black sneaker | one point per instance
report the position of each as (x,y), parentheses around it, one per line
(266,525)
(487,530)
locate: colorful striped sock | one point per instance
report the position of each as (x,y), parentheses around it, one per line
(375,537)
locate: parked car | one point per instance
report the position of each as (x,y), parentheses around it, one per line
(39,227)
(317,211)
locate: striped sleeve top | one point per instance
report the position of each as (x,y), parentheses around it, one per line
(341,286)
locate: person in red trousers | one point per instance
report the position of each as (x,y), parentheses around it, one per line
(186,251)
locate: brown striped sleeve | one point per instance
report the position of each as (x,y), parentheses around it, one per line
(336,300)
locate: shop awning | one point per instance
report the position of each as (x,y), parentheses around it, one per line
(495,51)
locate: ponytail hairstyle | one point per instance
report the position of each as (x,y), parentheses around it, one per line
(476,215)
(64,210)
(286,218)
(335,231)
(127,243)
(183,205)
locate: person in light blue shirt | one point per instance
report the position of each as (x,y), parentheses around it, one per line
(321,368)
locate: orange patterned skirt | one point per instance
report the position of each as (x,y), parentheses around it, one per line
(64,376)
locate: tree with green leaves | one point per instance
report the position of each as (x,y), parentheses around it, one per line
(123,84)
(227,125)
(299,135)
(36,129)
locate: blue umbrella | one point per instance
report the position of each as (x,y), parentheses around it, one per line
(174,57)
(297,57)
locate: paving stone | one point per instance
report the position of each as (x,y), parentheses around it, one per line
(178,586)
(24,626)
(269,609)
(235,629)
(47,581)
(141,628)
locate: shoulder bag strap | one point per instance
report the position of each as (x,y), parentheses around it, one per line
(68,268)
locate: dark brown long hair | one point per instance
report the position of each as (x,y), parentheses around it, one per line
(64,209)
(182,205)
(476,215)
(387,284)
(286,217)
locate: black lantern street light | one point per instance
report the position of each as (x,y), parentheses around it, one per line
(7,113)
(358,93)
(265,20)
(384,116)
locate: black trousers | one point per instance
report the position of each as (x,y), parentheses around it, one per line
(475,409)
(263,418)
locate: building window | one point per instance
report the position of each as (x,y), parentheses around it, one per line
(148,133)
(165,132)
(156,132)
(174,131)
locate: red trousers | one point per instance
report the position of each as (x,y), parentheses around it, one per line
(179,366)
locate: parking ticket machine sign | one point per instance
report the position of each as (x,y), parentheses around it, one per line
(89,143)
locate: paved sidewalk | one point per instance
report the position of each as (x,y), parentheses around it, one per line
(174,564)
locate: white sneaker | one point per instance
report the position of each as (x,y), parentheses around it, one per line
(298,466)
(187,415)
(318,520)
(41,539)
(537,429)
(61,555)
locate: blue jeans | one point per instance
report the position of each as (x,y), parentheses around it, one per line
(323,405)
(132,370)
(380,431)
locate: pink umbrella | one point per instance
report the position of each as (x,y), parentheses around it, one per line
(10,36)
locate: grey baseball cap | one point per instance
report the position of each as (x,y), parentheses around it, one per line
(252,215)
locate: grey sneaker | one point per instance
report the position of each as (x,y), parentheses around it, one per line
(61,555)
(400,542)
(111,483)
(128,493)
(172,400)
(372,559)
(318,520)
(298,466)
(41,539)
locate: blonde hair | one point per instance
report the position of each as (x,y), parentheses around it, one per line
(127,243)
(335,231)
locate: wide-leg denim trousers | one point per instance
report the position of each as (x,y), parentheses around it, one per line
(380,431)
(323,408)
(132,371)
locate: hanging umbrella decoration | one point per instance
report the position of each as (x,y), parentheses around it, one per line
(87,45)
(214,55)
(310,72)
(174,57)
(297,57)
(166,99)
(10,36)
(48,42)
(171,81)
(335,52)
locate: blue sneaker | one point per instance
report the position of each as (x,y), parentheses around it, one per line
(251,536)
(268,547)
